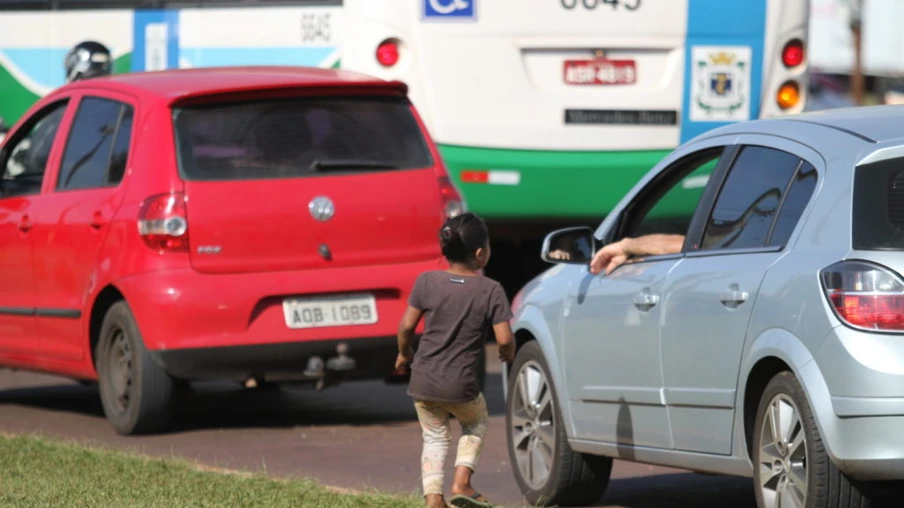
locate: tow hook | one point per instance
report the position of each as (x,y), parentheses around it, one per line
(315,367)
(333,372)
(343,362)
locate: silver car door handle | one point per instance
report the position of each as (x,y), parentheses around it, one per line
(733,296)
(645,300)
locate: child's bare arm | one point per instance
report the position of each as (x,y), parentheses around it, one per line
(506,341)
(407,326)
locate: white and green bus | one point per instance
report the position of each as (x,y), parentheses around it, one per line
(545,110)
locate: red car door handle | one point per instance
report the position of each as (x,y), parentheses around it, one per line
(98,221)
(25,224)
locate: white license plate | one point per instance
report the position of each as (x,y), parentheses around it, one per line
(340,310)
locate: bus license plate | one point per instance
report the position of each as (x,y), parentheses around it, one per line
(600,72)
(342,310)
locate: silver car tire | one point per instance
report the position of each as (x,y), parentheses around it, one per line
(547,470)
(791,466)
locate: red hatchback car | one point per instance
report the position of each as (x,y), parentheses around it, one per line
(228,223)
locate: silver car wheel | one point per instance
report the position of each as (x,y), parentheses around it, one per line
(533,425)
(782,457)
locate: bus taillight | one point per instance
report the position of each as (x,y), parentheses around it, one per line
(388,52)
(793,53)
(788,95)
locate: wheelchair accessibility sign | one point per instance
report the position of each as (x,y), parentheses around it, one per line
(449,10)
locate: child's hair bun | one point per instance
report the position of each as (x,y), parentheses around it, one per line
(461,236)
(451,243)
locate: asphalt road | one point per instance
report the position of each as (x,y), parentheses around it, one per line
(359,435)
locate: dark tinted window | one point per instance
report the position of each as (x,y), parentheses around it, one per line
(878,208)
(793,206)
(26,161)
(96,4)
(88,159)
(25,4)
(121,147)
(298,137)
(671,205)
(749,199)
(150,4)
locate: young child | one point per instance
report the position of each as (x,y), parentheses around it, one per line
(461,307)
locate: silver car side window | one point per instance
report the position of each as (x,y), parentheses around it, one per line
(795,202)
(749,201)
(668,207)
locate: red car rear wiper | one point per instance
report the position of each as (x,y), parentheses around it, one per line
(329,164)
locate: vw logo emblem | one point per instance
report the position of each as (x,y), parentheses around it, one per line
(321,208)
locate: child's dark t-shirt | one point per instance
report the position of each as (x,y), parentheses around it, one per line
(459,314)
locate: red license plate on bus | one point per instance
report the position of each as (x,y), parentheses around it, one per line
(600,72)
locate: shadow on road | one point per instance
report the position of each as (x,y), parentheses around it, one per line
(64,397)
(219,405)
(690,490)
(680,490)
(360,403)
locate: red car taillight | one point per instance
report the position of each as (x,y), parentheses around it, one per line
(163,222)
(452,203)
(865,295)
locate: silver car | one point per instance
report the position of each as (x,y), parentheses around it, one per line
(771,346)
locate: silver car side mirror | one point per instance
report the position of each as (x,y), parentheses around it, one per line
(570,245)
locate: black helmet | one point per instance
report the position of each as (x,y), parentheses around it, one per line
(86,60)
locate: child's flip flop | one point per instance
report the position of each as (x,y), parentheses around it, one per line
(475,501)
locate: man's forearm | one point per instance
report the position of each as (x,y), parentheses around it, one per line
(406,337)
(654,245)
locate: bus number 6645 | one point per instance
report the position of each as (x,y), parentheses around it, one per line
(593,4)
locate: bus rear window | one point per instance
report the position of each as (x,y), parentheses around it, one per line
(301,137)
(878,214)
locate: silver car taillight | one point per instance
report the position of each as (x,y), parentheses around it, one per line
(865,295)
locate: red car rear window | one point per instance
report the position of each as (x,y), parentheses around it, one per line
(298,137)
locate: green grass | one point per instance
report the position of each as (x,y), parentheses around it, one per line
(42,473)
